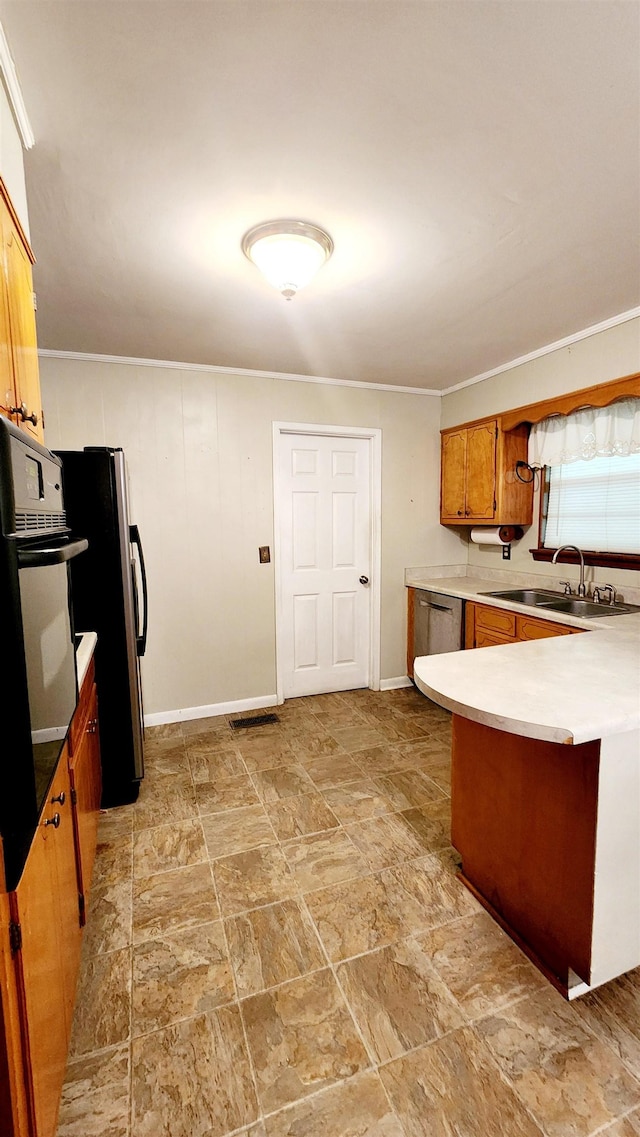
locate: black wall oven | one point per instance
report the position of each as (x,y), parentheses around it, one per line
(38,676)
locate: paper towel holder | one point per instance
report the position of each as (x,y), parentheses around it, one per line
(496,535)
(531,470)
(509,533)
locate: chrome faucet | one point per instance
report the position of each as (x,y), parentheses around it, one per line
(600,588)
(582,591)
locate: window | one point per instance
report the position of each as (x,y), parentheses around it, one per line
(594,505)
(591,498)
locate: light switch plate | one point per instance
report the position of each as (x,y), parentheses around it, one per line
(264,553)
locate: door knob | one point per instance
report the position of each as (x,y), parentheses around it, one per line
(364,579)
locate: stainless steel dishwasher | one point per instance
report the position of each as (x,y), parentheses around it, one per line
(438,623)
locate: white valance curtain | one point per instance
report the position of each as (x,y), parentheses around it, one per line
(594,432)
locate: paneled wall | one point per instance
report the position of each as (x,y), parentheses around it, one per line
(199,448)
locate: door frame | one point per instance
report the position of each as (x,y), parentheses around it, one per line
(374,435)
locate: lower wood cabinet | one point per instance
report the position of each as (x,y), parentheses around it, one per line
(488,626)
(46,923)
(86,786)
(41,940)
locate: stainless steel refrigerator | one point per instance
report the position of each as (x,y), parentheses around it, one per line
(106,599)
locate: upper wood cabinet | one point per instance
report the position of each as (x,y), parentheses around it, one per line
(478,476)
(20,384)
(8,393)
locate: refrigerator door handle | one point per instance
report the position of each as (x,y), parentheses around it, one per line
(141,640)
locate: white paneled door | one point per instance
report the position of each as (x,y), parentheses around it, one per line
(324,560)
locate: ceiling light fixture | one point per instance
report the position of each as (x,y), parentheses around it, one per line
(288,253)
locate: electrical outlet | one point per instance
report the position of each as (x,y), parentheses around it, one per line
(264,553)
(506,552)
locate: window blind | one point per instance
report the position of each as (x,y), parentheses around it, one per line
(595,505)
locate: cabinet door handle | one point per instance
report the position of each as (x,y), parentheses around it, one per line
(55,820)
(459,513)
(23,411)
(61,798)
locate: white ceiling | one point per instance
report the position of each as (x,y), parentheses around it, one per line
(475,161)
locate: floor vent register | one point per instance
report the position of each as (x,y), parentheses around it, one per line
(254,720)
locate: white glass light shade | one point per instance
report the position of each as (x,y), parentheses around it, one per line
(288,253)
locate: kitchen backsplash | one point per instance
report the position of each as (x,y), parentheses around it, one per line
(517,579)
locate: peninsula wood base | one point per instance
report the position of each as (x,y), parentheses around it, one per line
(548,836)
(569,992)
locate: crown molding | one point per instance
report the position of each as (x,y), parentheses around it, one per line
(213,369)
(90,357)
(14,93)
(632,314)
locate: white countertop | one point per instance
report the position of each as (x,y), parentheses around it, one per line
(471,588)
(569,689)
(84,652)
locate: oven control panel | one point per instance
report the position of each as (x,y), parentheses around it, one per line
(30,486)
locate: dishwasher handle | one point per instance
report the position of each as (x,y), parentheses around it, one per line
(438,607)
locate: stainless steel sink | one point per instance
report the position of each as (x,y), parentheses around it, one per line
(579,607)
(556,602)
(533,596)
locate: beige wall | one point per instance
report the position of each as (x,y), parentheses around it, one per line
(199,448)
(12,160)
(604,356)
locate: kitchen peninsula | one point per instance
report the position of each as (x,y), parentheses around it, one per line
(546,789)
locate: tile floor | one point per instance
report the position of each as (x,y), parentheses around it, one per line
(278,946)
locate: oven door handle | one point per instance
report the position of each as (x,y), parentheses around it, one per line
(57,555)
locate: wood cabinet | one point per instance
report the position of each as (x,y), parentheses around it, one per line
(46,918)
(14,1106)
(40,935)
(8,392)
(86,785)
(478,482)
(20,382)
(488,626)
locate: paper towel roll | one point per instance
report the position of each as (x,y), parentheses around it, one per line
(500,535)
